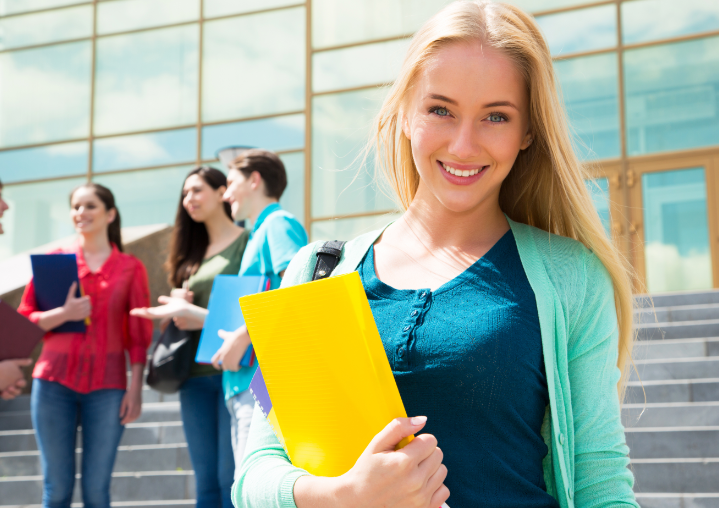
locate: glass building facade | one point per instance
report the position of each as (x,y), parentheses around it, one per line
(134,93)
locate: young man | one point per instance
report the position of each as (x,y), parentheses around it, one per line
(255,183)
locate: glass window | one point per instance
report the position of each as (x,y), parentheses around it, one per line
(148,196)
(590,89)
(293,199)
(45,94)
(649,20)
(544,5)
(147,80)
(254,65)
(276,133)
(582,30)
(357,66)
(125,15)
(45,27)
(39,213)
(8,7)
(348,229)
(599,190)
(214,8)
(336,22)
(51,161)
(676,239)
(142,150)
(672,96)
(340,130)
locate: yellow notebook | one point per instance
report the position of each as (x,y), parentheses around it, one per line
(325,370)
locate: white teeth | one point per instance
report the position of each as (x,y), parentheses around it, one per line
(461,173)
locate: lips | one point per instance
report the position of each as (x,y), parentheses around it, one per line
(462,176)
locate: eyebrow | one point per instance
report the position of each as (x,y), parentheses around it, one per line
(446,99)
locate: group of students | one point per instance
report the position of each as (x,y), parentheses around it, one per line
(80,378)
(504,309)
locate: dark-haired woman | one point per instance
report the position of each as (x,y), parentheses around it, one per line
(80,378)
(205,243)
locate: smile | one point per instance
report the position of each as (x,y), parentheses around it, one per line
(461,173)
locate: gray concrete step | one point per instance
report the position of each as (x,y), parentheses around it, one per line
(675,369)
(678,499)
(138,503)
(673,299)
(678,330)
(677,442)
(677,314)
(673,391)
(661,415)
(147,433)
(151,412)
(675,475)
(141,487)
(137,458)
(675,348)
(148,396)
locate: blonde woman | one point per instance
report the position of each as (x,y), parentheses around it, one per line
(504,309)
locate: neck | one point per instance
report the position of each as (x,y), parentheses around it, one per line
(94,243)
(219,226)
(441,228)
(259,204)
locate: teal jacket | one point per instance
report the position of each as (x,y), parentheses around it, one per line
(587,463)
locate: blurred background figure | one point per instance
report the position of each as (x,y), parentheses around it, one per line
(80,378)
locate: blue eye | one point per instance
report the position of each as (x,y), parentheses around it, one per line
(441,111)
(496,118)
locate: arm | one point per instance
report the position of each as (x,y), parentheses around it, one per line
(601,474)
(74,309)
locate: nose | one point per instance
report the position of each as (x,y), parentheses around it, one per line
(465,143)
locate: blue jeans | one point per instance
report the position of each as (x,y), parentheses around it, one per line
(206,422)
(56,414)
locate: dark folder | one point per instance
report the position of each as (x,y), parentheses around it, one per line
(18,335)
(53,274)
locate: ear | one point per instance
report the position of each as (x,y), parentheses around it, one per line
(255,180)
(526,141)
(405,125)
(111,216)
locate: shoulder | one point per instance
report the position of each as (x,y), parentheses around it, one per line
(281,220)
(130,261)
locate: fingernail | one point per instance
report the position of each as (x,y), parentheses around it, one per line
(416,421)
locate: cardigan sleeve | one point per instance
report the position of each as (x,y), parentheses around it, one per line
(139,334)
(601,474)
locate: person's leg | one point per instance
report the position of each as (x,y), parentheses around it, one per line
(198,407)
(226,460)
(241,407)
(54,416)
(101,434)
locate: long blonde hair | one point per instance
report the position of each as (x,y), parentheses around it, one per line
(545,187)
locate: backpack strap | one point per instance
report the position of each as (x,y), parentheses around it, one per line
(328,256)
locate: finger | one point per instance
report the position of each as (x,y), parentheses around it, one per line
(71,291)
(123,407)
(424,447)
(216,360)
(428,467)
(439,497)
(141,312)
(22,362)
(164,299)
(394,432)
(223,334)
(20,383)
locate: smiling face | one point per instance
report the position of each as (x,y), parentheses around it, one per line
(239,192)
(200,200)
(88,213)
(467,119)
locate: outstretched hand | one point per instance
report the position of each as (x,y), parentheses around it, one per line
(185,315)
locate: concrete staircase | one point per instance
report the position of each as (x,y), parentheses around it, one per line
(674,438)
(152,468)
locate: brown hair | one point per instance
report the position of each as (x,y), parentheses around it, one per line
(114,232)
(189,238)
(268,165)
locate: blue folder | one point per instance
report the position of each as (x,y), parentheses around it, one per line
(53,274)
(224,313)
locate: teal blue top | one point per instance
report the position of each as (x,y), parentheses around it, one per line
(275,239)
(478,378)
(587,456)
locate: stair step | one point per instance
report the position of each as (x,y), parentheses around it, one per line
(678,499)
(675,348)
(129,459)
(677,314)
(675,475)
(678,330)
(659,415)
(142,487)
(673,391)
(673,299)
(148,396)
(679,442)
(675,369)
(138,503)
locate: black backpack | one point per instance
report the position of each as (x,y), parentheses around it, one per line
(171,360)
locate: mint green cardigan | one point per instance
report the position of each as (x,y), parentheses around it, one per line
(587,462)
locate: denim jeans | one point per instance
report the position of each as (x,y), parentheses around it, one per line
(206,422)
(56,414)
(241,407)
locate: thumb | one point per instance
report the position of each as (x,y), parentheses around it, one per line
(71,291)
(164,299)
(394,432)
(223,334)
